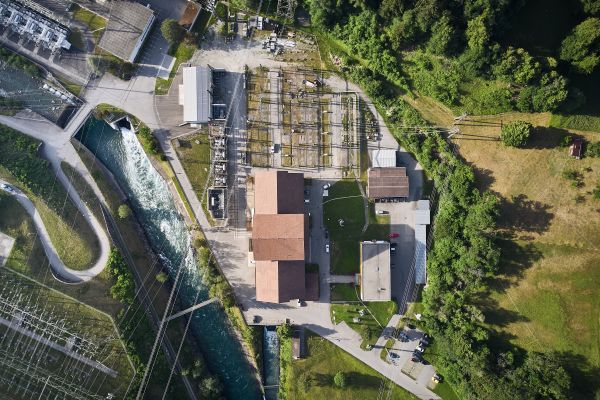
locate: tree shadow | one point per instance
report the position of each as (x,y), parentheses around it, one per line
(585,378)
(520,213)
(546,137)
(515,259)
(484,178)
(322,379)
(498,316)
(358,380)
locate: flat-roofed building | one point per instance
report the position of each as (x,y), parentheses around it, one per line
(383,158)
(387,183)
(279,232)
(127,29)
(422,219)
(197,95)
(375,271)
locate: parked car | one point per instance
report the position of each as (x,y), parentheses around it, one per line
(393,247)
(423,342)
(326,186)
(382,212)
(326,234)
(326,248)
(416,358)
(420,349)
(394,235)
(8,188)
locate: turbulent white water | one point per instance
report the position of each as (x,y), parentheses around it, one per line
(152,194)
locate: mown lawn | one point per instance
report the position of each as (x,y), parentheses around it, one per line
(324,360)
(371,323)
(345,203)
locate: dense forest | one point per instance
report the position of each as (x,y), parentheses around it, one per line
(436,46)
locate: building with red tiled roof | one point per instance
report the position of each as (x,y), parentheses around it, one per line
(279,230)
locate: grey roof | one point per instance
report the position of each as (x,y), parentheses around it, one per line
(197,100)
(381,158)
(420,254)
(127,28)
(375,281)
(422,214)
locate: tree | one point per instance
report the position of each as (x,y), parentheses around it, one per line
(591,6)
(442,36)
(593,149)
(172,31)
(582,46)
(162,277)
(516,133)
(210,388)
(340,380)
(124,211)
(518,66)
(285,330)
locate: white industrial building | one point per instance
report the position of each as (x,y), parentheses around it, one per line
(29,20)
(383,158)
(422,219)
(196,95)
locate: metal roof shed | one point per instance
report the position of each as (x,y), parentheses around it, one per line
(422,214)
(197,97)
(382,158)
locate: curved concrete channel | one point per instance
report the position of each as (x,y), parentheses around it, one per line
(59,269)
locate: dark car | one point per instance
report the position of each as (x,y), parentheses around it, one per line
(416,358)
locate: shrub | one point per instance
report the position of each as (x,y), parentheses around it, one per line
(593,150)
(162,277)
(285,331)
(516,134)
(124,211)
(172,31)
(340,380)
(596,192)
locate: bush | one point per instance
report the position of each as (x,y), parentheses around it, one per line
(123,289)
(124,211)
(593,150)
(339,380)
(596,192)
(172,31)
(516,134)
(162,277)
(285,331)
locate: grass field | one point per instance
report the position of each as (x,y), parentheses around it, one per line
(344,239)
(324,360)
(194,153)
(371,323)
(94,22)
(547,296)
(74,240)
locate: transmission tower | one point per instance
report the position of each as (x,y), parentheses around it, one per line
(286,9)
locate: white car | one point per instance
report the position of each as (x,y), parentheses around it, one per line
(326,248)
(326,186)
(8,188)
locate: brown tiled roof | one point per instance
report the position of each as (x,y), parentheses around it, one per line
(278,237)
(279,281)
(387,182)
(278,192)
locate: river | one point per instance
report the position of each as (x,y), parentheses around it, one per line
(167,233)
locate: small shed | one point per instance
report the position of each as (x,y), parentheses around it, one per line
(576,148)
(297,346)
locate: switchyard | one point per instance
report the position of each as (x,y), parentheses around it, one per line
(53,347)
